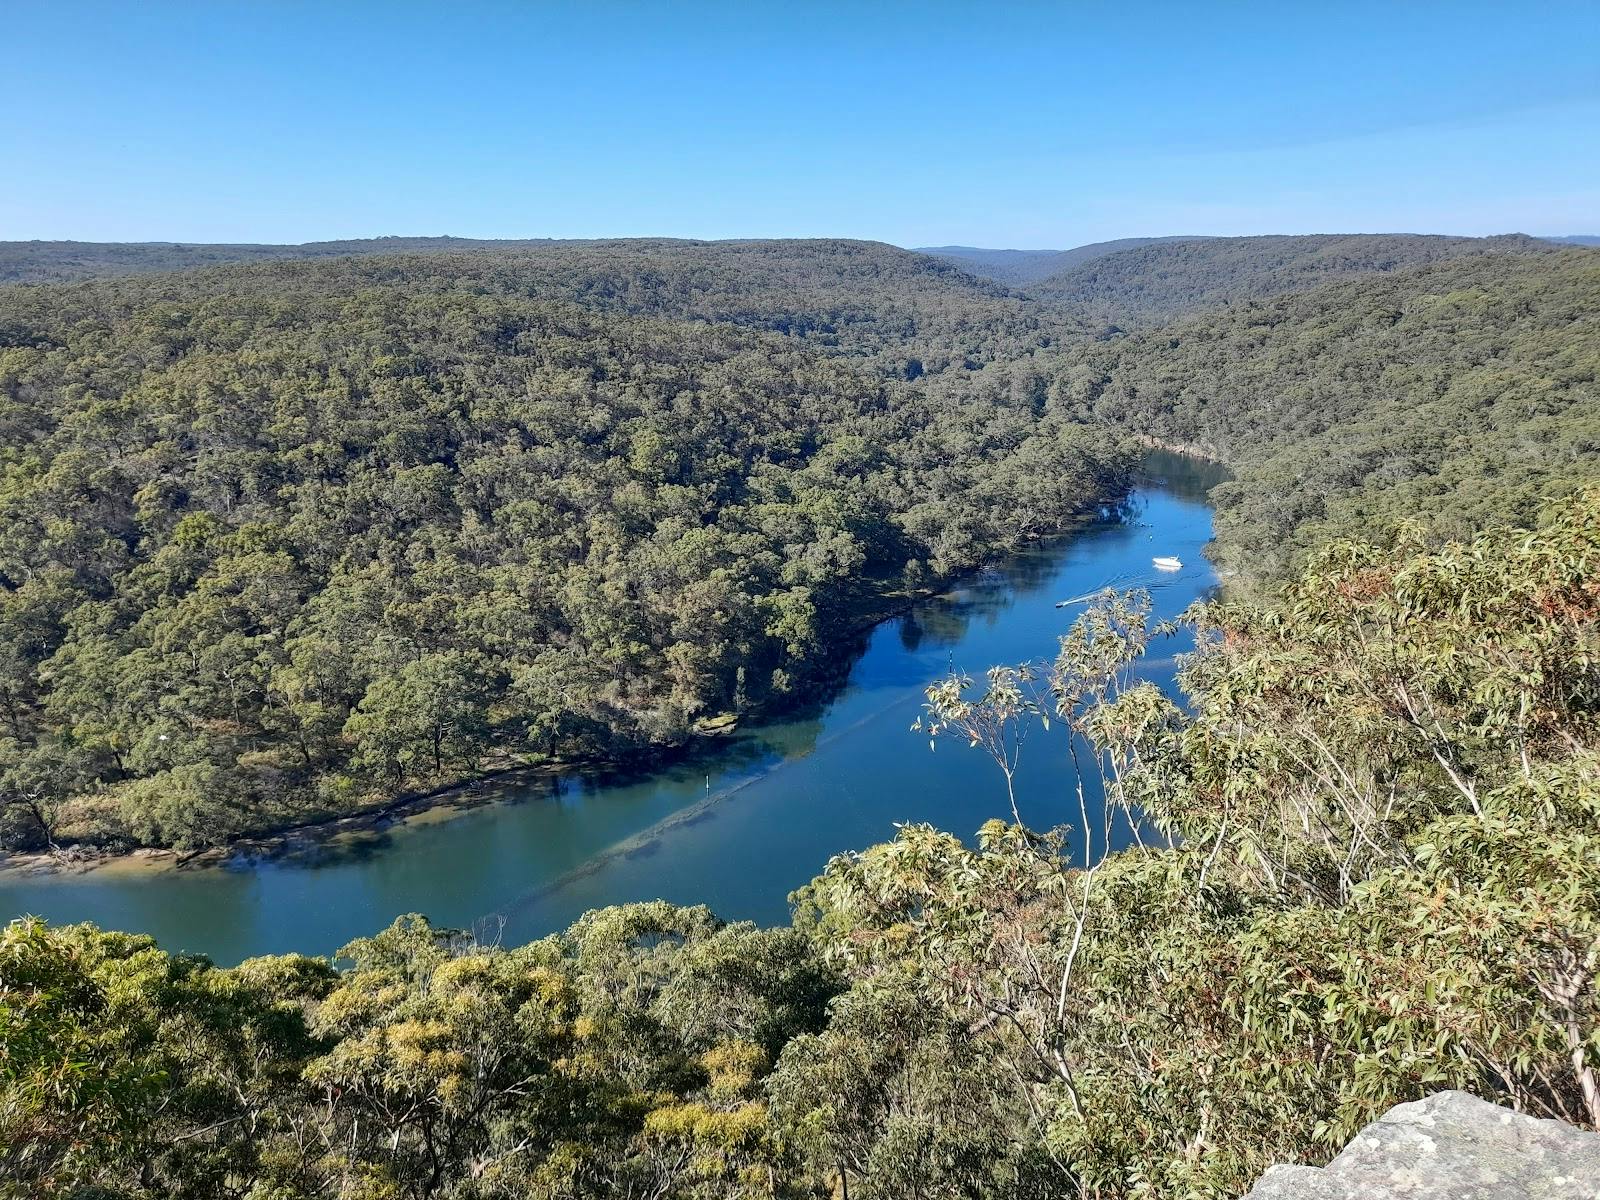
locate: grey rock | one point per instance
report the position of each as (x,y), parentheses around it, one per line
(1451,1146)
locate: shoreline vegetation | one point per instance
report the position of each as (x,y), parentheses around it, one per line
(488,784)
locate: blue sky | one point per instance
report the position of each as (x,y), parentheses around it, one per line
(998,124)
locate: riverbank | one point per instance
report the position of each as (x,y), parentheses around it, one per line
(736,822)
(492,780)
(463,792)
(1186,473)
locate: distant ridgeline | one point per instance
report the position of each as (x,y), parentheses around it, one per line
(1023,268)
(1152,284)
(1457,394)
(60,262)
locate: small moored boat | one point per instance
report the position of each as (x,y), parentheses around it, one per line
(1168,562)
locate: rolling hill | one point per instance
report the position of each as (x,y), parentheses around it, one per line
(65,261)
(1150,284)
(1460,394)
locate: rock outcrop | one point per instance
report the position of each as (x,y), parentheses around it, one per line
(1453,1146)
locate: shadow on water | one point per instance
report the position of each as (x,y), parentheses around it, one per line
(739,755)
(1184,476)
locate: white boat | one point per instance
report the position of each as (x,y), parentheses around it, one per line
(1168,562)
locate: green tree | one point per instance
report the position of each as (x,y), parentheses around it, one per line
(426,713)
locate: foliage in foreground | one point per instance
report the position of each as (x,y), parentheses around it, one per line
(1386,804)
(1367,867)
(621,1058)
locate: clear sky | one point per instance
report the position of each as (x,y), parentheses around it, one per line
(987,123)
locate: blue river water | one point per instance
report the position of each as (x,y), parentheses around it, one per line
(736,826)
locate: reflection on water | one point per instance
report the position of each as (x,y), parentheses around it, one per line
(736,824)
(1183,476)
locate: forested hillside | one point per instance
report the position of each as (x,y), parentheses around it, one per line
(1459,394)
(622,262)
(1152,284)
(863,298)
(279,538)
(65,262)
(1366,871)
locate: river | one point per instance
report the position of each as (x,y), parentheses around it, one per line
(736,826)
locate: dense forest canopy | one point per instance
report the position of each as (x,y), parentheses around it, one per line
(1245,267)
(56,262)
(278,537)
(1152,284)
(1459,394)
(863,298)
(63,261)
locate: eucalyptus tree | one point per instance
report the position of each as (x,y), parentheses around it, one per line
(1383,797)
